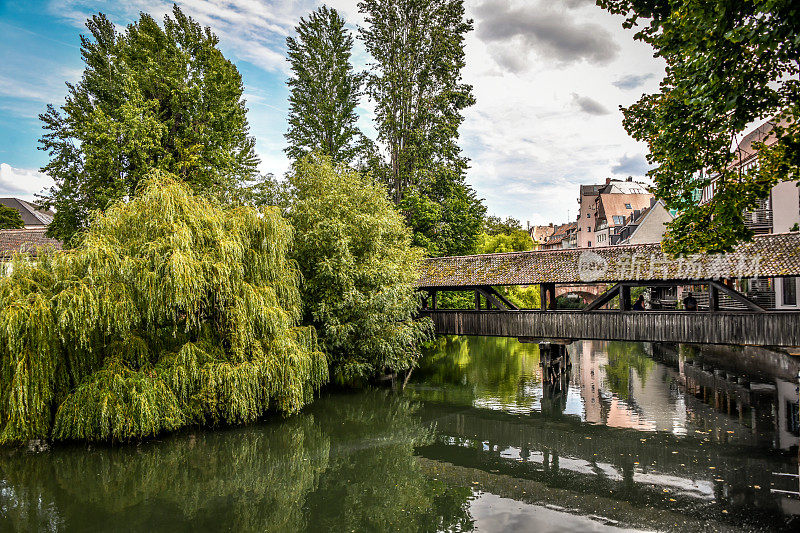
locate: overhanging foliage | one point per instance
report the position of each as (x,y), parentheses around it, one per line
(171,311)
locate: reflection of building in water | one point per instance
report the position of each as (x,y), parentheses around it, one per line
(669,388)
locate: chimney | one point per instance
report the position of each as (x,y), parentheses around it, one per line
(630,178)
(653,201)
(608,180)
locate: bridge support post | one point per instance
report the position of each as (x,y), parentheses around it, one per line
(713,298)
(547,296)
(625,298)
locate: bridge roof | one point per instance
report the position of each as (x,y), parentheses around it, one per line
(766,256)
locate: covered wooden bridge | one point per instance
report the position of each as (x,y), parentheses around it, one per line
(730,317)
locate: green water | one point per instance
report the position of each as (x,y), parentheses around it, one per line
(484,438)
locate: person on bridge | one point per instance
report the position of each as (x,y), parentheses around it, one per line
(689,303)
(639,305)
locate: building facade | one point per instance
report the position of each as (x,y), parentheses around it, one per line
(777,213)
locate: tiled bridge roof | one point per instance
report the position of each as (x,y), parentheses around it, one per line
(766,256)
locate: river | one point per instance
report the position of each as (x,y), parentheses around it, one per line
(620,436)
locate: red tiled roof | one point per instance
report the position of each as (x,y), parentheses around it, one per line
(26,241)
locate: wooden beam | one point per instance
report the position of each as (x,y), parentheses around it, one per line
(625,297)
(713,298)
(434,300)
(738,296)
(493,291)
(493,298)
(604,298)
(542,297)
(477,300)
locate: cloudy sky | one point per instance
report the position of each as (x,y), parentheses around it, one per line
(549,77)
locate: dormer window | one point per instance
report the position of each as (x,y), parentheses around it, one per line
(628,206)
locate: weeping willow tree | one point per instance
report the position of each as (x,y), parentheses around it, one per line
(171,311)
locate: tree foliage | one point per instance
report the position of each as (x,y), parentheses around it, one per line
(728,64)
(493,225)
(324,89)
(359,269)
(149,98)
(417,50)
(10,218)
(170,311)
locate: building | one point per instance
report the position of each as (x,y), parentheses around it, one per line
(539,234)
(604,208)
(646,226)
(32,237)
(564,236)
(587,200)
(26,241)
(777,213)
(32,216)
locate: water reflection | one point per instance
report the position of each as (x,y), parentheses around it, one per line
(490,434)
(348,465)
(658,427)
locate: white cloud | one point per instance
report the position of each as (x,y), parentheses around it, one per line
(22,183)
(529,143)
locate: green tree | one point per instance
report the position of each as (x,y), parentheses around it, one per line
(324,89)
(495,225)
(444,214)
(417,48)
(10,218)
(149,98)
(359,269)
(171,311)
(728,64)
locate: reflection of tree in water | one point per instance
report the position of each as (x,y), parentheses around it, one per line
(622,357)
(377,483)
(348,464)
(495,368)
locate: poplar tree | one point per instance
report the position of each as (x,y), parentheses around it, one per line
(324,89)
(149,98)
(417,49)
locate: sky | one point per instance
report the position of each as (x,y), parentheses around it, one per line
(548,75)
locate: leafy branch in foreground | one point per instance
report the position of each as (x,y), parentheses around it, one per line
(170,311)
(728,64)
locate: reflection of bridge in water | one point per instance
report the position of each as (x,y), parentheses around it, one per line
(621,269)
(729,463)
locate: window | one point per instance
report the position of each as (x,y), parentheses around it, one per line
(589,229)
(789,291)
(587,215)
(618,220)
(588,245)
(628,206)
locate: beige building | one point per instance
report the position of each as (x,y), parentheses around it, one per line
(604,209)
(645,226)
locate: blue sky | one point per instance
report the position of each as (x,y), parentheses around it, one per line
(548,76)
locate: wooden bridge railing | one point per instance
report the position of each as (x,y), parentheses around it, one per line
(722,327)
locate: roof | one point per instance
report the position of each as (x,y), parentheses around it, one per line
(614,205)
(766,256)
(591,190)
(26,241)
(31,215)
(561,232)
